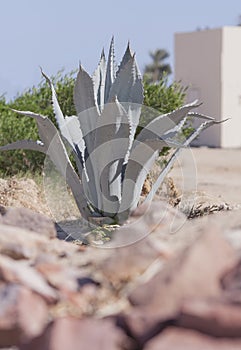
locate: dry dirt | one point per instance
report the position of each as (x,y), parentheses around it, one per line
(218,172)
(15,192)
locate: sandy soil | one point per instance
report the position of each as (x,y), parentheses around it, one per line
(215,172)
(22,192)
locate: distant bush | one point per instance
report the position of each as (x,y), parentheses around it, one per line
(162,97)
(12,127)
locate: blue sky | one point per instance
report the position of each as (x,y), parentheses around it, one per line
(58,33)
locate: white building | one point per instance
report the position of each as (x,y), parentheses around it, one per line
(209,62)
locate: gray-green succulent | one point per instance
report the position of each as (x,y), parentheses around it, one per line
(112,162)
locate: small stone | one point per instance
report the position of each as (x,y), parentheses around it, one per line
(78,334)
(23,315)
(183,339)
(28,219)
(15,271)
(194,273)
(213,317)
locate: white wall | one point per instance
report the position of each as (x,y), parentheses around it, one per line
(231,86)
(209,62)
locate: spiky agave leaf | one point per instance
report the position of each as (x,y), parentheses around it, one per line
(141,160)
(200,115)
(123,84)
(115,88)
(52,145)
(110,70)
(176,153)
(166,122)
(133,101)
(68,126)
(175,131)
(128,89)
(88,114)
(85,105)
(98,78)
(127,86)
(126,57)
(137,169)
(159,133)
(119,149)
(83,91)
(25,144)
(70,130)
(111,146)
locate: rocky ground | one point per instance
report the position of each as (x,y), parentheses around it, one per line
(178,287)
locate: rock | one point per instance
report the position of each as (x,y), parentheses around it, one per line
(23,315)
(19,272)
(213,317)
(60,277)
(139,242)
(180,339)
(77,334)
(156,216)
(28,219)
(126,263)
(65,278)
(231,282)
(20,243)
(195,273)
(23,192)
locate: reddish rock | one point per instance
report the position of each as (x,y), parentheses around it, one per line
(181,339)
(78,334)
(231,283)
(15,271)
(135,247)
(155,216)
(23,315)
(19,243)
(214,317)
(68,280)
(195,273)
(28,219)
(58,276)
(126,263)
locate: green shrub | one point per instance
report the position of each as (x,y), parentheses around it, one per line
(165,98)
(12,127)
(162,97)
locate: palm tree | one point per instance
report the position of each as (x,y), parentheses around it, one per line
(155,71)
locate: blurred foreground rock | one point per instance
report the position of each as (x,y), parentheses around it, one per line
(27,219)
(161,283)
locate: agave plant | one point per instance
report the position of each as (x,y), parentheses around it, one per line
(112,162)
